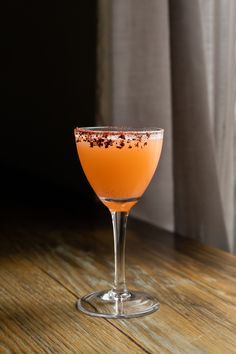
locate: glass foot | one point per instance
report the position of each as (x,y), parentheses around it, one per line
(107,304)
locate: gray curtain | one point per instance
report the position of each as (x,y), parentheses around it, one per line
(172,64)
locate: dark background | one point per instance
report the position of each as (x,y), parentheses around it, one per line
(48,70)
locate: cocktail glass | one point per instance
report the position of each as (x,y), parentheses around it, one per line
(119,164)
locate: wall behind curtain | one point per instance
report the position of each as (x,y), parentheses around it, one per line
(48,87)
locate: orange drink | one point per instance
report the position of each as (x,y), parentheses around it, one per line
(118,164)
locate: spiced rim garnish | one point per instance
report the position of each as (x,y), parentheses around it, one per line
(105,138)
(122,132)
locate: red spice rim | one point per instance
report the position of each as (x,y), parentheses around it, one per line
(112,130)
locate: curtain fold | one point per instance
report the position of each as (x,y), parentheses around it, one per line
(172,64)
(224,108)
(219,27)
(138,75)
(198,207)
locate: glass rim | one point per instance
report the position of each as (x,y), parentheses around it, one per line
(114,130)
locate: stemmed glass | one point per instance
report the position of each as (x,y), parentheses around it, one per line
(119,163)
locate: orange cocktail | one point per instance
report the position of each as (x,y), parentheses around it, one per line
(118,164)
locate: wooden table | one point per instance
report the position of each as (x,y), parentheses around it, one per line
(50,258)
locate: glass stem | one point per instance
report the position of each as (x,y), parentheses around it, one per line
(119,222)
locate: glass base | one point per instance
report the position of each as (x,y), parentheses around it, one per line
(107,304)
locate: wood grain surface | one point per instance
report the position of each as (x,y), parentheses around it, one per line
(50,258)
